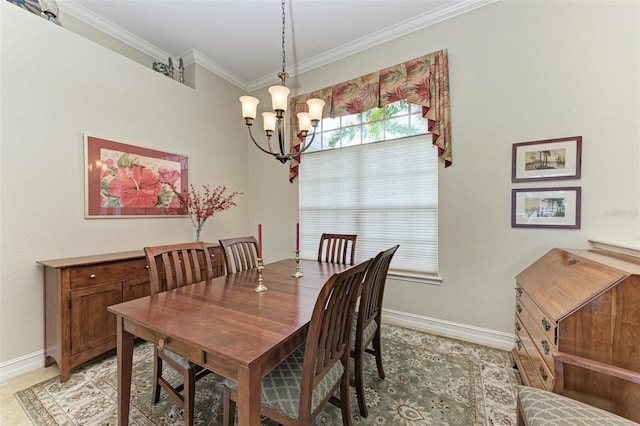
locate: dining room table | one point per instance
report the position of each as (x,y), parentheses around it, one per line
(225,326)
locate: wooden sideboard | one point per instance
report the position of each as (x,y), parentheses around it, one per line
(77,292)
(587,303)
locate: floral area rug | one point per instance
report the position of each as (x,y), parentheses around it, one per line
(430,380)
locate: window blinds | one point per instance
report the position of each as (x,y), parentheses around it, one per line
(385,192)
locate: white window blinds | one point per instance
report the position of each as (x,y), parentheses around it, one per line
(385,192)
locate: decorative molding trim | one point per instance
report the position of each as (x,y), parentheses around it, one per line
(469,333)
(631,248)
(421,21)
(20,365)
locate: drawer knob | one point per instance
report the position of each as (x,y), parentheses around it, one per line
(518,326)
(573,261)
(519,291)
(519,344)
(543,373)
(546,324)
(518,307)
(92,276)
(545,346)
(163,341)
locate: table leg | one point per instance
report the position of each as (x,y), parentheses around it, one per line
(125,366)
(249,382)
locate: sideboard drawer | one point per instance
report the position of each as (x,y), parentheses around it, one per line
(107,272)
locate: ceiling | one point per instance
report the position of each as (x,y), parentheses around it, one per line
(241,40)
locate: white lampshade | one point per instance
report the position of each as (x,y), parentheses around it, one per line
(279,96)
(249,106)
(304,122)
(315,108)
(269,119)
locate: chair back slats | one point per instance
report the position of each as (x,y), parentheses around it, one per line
(337,248)
(329,334)
(370,307)
(240,253)
(181,264)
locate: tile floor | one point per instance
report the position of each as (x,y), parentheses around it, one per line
(11,412)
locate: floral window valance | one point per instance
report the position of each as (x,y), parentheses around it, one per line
(423,81)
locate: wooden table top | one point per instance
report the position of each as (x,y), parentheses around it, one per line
(224,317)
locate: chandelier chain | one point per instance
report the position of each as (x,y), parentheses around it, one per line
(283,49)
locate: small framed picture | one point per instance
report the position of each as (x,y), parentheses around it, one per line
(546,208)
(546,159)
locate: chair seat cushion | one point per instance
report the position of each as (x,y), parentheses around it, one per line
(542,407)
(281,387)
(367,334)
(178,359)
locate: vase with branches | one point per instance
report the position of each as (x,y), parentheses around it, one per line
(201,205)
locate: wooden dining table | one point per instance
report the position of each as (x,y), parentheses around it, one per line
(225,326)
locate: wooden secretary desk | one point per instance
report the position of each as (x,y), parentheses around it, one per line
(77,292)
(587,303)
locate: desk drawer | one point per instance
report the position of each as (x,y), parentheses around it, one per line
(107,272)
(547,325)
(539,339)
(191,353)
(541,372)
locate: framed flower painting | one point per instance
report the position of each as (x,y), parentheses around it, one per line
(124,181)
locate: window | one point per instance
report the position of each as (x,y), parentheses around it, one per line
(386,192)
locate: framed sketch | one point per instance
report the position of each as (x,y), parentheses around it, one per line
(123,181)
(546,208)
(546,159)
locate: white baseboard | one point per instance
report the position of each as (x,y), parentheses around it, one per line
(483,336)
(23,364)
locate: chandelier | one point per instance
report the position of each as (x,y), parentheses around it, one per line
(275,121)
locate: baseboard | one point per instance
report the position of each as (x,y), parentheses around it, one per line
(469,333)
(23,364)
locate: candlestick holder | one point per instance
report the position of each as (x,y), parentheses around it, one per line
(260,287)
(298,274)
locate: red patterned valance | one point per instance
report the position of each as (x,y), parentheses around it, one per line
(423,81)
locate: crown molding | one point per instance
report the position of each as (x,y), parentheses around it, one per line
(448,11)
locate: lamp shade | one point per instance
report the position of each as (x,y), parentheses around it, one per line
(279,96)
(269,119)
(249,106)
(304,122)
(315,108)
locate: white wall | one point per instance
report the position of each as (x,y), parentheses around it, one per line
(55,86)
(519,71)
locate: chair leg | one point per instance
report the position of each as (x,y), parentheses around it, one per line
(377,347)
(189,395)
(344,400)
(362,405)
(228,408)
(157,373)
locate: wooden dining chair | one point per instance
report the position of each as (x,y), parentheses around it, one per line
(296,390)
(170,267)
(538,407)
(240,253)
(337,248)
(366,324)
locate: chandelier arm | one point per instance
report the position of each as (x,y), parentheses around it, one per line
(258,145)
(281,134)
(313,136)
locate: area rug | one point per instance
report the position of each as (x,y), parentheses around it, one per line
(430,380)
